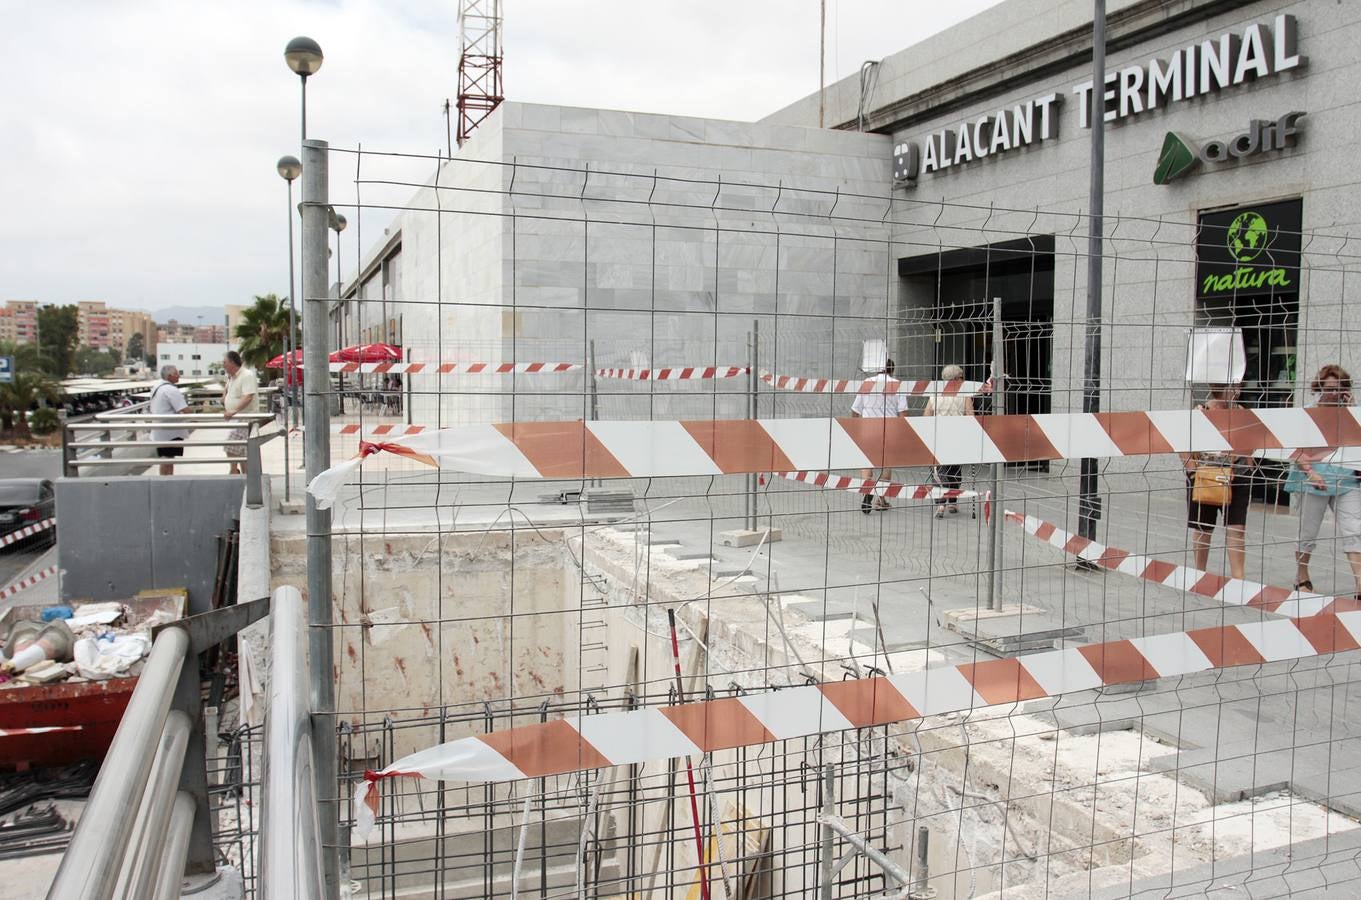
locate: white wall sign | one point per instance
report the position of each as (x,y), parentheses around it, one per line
(1216,356)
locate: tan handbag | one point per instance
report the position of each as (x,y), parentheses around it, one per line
(1212,485)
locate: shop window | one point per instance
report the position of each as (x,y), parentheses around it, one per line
(1247,276)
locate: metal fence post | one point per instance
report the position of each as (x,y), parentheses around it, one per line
(826,862)
(998,409)
(317,456)
(255,496)
(68,453)
(753,384)
(193,776)
(1089,501)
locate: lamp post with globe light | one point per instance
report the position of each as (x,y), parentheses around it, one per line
(338,224)
(303,56)
(289,169)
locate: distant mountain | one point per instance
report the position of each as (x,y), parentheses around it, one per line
(189,315)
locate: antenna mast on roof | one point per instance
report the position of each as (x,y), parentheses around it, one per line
(479,63)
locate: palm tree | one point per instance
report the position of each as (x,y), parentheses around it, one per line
(27,389)
(263,330)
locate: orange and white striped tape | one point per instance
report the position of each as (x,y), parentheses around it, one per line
(878,488)
(26,532)
(24,584)
(385,430)
(872,385)
(452,368)
(1232,591)
(657,449)
(679,373)
(578,743)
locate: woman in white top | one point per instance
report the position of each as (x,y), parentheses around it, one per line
(949,402)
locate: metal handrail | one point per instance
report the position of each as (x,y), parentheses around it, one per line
(290,842)
(90,867)
(135,822)
(82,445)
(131,421)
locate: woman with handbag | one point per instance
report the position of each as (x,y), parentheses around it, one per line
(1324,485)
(1218,482)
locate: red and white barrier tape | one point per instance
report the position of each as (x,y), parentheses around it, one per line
(1233,591)
(878,488)
(453,368)
(392,430)
(873,385)
(687,373)
(657,449)
(24,584)
(579,743)
(26,532)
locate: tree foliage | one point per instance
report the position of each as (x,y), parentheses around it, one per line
(93,361)
(136,346)
(58,327)
(45,420)
(263,329)
(25,392)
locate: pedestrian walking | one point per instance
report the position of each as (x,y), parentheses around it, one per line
(949,402)
(881,401)
(1322,486)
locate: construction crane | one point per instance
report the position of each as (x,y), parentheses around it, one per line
(479,64)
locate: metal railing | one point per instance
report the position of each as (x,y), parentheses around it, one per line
(91,443)
(147,821)
(290,854)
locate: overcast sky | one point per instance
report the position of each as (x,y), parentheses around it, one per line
(140,137)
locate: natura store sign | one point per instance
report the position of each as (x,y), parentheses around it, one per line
(1227,60)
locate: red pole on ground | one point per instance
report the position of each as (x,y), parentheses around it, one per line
(689,769)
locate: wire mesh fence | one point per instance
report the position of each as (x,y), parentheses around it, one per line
(478,605)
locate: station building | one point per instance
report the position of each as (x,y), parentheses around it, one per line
(948,179)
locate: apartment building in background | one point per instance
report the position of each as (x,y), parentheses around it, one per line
(19,322)
(175,331)
(102,327)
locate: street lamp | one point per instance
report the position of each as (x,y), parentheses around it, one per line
(338,224)
(303,56)
(289,169)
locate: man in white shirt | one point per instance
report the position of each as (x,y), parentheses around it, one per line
(879,405)
(237,398)
(168,400)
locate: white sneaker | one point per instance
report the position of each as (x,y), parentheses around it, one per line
(954,509)
(940,512)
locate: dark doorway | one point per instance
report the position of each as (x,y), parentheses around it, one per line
(948,296)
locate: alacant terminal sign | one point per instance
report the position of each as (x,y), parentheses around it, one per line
(1249,250)
(1226,60)
(990,135)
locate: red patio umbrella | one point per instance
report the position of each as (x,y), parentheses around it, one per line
(368,353)
(294,356)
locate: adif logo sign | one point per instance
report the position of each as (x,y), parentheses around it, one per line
(1179,156)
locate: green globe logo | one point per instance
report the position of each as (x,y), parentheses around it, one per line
(1247,237)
